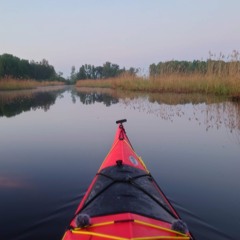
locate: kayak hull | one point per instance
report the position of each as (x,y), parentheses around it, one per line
(124,201)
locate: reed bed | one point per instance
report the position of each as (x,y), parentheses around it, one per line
(16,84)
(196,83)
(193,83)
(103,83)
(219,79)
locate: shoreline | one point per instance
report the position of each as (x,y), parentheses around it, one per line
(15,84)
(175,84)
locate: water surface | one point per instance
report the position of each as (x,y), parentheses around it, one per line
(53,140)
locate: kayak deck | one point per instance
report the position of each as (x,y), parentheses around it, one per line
(124,201)
(121,226)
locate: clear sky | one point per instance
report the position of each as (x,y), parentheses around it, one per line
(130,33)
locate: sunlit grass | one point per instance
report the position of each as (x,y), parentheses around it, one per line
(221,78)
(195,83)
(192,83)
(16,84)
(103,83)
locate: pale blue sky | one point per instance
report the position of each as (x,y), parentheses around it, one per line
(126,32)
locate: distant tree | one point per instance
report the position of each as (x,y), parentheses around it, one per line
(73,76)
(24,69)
(42,71)
(98,72)
(89,71)
(108,70)
(72,71)
(132,71)
(81,74)
(20,68)
(9,66)
(153,70)
(179,67)
(60,74)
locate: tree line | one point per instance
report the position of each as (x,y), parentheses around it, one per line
(12,66)
(170,67)
(213,67)
(12,106)
(107,70)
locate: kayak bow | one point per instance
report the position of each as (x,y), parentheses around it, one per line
(124,201)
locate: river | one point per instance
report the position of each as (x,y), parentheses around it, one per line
(53,140)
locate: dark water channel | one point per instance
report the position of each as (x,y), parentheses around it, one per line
(53,140)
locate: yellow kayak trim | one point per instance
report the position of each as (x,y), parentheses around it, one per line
(82,231)
(160,228)
(97,235)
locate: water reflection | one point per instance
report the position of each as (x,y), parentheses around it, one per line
(47,158)
(226,113)
(13,103)
(88,96)
(214,115)
(210,111)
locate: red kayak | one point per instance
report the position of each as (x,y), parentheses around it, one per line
(124,202)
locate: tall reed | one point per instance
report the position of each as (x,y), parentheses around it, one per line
(222,77)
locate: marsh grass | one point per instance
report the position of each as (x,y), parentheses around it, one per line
(194,83)
(7,84)
(103,83)
(221,78)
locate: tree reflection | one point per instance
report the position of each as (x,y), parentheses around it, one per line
(16,102)
(206,110)
(88,97)
(210,115)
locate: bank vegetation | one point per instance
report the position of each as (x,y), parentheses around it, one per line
(218,76)
(16,73)
(8,84)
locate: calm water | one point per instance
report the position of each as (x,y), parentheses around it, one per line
(52,142)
